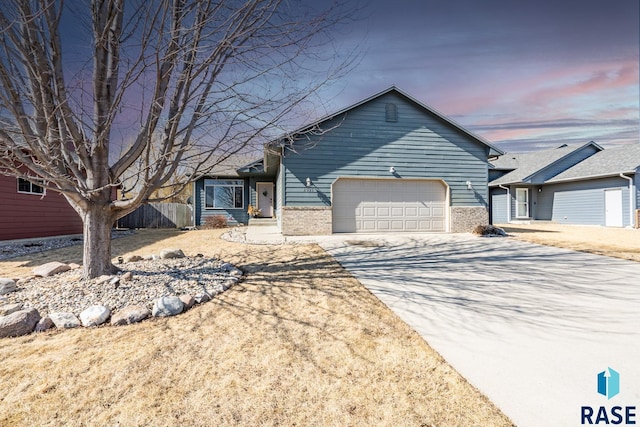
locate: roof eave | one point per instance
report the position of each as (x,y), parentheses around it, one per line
(587,177)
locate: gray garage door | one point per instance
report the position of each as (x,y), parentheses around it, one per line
(388,205)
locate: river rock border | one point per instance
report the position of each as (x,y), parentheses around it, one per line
(161,285)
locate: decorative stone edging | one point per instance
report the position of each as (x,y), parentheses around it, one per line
(152,286)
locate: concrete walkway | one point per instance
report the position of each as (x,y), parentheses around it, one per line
(530,326)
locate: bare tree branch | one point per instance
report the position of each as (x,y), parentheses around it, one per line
(169,89)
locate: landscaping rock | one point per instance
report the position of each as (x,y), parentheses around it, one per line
(167,306)
(202,298)
(126,277)
(24,280)
(74,266)
(132,258)
(129,315)
(4,300)
(6,309)
(7,286)
(44,324)
(187,300)
(104,279)
(19,323)
(94,315)
(171,253)
(50,268)
(64,320)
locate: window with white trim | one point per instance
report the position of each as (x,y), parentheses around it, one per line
(28,187)
(223,194)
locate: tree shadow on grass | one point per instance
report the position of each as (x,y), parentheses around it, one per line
(311,303)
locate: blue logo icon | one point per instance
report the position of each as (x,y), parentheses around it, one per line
(609,383)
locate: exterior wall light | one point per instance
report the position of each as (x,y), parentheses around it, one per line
(469,185)
(309,183)
(392,170)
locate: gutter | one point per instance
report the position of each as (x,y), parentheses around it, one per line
(631,197)
(508,201)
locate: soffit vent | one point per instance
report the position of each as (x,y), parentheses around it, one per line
(391,112)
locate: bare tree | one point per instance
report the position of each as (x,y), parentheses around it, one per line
(211,78)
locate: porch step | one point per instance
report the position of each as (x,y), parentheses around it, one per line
(263,221)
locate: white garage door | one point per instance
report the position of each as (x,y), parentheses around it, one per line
(372,205)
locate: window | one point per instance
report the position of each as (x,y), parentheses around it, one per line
(25,186)
(223,194)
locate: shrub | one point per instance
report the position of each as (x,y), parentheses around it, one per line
(215,221)
(488,230)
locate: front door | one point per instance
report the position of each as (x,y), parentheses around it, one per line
(265,198)
(522,203)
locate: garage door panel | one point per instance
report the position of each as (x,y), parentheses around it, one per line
(362,205)
(411,225)
(383,211)
(368,211)
(383,225)
(410,211)
(424,211)
(368,225)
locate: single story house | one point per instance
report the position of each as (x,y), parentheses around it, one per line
(388,163)
(29,211)
(571,184)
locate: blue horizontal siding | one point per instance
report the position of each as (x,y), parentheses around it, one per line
(362,143)
(583,202)
(233,216)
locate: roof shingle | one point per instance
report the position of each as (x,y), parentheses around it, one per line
(609,162)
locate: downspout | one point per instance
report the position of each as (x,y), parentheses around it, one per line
(508,202)
(631,197)
(192,206)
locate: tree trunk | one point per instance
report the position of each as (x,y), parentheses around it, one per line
(97,222)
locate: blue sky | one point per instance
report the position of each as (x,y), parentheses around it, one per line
(525,75)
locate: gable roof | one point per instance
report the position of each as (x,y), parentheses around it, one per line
(525,165)
(609,162)
(493,150)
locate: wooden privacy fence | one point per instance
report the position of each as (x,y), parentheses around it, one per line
(158,215)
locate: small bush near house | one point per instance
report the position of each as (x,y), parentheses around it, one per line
(215,221)
(489,230)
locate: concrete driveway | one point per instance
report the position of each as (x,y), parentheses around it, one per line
(530,326)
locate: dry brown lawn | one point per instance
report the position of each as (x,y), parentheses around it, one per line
(299,342)
(614,242)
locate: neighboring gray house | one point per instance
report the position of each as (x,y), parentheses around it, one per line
(577,184)
(386,164)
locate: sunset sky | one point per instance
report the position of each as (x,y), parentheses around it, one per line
(525,75)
